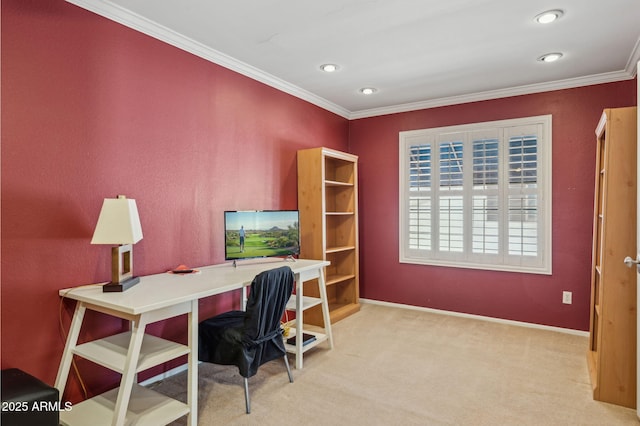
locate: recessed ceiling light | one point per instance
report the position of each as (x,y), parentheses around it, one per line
(549,16)
(329,67)
(368,90)
(550,57)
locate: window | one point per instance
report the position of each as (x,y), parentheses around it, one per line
(478,195)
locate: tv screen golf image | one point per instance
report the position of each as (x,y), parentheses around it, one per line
(251,234)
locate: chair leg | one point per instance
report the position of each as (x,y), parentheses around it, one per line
(247,401)
(286,363)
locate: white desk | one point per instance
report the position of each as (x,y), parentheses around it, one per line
(155,298)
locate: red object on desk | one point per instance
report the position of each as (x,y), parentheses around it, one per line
(183,269)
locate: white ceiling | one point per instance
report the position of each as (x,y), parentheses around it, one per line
(416,53)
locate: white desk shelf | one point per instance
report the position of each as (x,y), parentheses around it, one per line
(320,338)
(111,352)
(146,408)
(307,302)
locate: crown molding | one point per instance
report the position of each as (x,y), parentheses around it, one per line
(609,77)
(139,23)
(634,58)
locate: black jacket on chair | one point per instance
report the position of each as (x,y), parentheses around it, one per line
(248,339)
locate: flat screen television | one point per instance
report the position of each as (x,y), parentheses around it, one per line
(261,233)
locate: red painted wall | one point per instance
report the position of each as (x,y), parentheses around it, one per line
(521,297)
(91,109)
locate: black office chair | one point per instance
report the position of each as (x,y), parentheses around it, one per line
(248,339)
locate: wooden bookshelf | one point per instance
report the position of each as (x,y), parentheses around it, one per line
(612,342)
(328,205)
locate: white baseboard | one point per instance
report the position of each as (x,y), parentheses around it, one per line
(477,317)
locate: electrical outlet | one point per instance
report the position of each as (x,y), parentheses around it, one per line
(566,297)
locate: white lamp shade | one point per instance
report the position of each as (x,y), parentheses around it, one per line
(118,222)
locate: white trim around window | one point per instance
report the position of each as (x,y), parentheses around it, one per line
(478,195)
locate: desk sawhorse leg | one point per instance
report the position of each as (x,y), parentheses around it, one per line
(300,278)
(129,367)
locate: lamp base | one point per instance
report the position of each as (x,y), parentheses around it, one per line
(121,286)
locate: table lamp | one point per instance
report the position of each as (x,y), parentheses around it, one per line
(119,223)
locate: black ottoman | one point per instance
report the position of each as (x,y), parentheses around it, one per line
(26,401)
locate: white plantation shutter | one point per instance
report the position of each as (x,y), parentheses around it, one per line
(450,199)
(419,217)
(478,195)
(485,221)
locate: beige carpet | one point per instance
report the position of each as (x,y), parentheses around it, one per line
(393,366)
